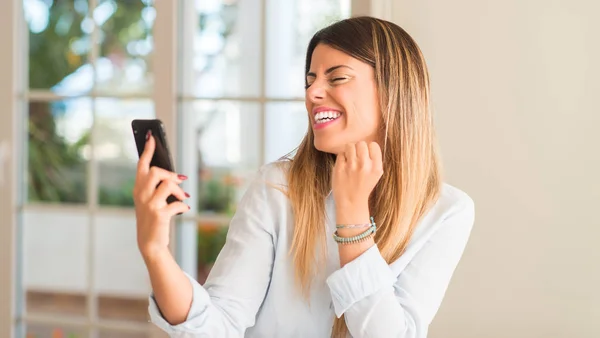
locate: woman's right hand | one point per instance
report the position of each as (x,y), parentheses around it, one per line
(152,211)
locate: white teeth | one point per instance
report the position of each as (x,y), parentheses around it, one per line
(326,116)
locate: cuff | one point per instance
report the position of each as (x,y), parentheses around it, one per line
(358,279)
(200,299)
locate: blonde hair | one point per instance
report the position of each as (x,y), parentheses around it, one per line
(412,175)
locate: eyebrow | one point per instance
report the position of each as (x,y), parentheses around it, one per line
(329,70)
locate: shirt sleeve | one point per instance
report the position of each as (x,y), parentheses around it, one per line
(376,302)
(228,302)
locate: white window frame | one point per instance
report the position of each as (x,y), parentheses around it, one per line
(9,63)
(13,59)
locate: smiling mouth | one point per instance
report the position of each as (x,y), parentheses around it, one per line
(327,116)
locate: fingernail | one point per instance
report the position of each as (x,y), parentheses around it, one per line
(182,177)
(148,134)
(187,195)
(189,207)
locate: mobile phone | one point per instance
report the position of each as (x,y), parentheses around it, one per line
(162,155)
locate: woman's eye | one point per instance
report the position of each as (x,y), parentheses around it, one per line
(333,81)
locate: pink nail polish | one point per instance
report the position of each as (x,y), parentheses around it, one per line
(187,195)
(182,177)
(148,134)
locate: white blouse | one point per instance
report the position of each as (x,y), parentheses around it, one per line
(251,290)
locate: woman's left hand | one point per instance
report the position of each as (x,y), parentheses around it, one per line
(356,173)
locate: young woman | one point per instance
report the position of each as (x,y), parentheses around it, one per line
(356,234)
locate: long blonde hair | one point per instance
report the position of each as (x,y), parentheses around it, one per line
(412,175)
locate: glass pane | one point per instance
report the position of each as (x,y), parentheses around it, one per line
(58,150)
(220,144)
(55,251)
(224,54)
(211,238)
(126,46)
(115,149)
(35,330)
(286,126)
(290,25)
(121,278)
(59,43)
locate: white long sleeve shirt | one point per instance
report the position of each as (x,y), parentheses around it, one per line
(251,291)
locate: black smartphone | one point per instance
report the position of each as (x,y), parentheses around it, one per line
(162,156)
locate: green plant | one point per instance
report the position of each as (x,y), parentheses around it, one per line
(215,196)
(122,196)
(211,239)
(56,169)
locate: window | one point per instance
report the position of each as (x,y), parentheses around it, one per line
(242,106)
(90,73)
(95,65)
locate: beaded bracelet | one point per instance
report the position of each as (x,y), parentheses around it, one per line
(351,226)
(358,238)
(355,239)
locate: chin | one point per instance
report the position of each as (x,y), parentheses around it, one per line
(327,147)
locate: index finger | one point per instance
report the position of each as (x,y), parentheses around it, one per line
(146,157)
(340,158)
(350,153)
(376,155)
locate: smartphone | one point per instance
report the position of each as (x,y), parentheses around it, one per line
(162,156)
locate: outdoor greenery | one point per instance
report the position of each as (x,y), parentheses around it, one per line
(57,169)
(211,238)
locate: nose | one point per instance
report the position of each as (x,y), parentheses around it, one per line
(316,92)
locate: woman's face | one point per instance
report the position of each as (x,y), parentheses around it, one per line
(341,100)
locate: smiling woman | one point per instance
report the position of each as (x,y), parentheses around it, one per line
(321,237)
(333,84)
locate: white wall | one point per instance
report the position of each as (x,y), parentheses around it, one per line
(515,90)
